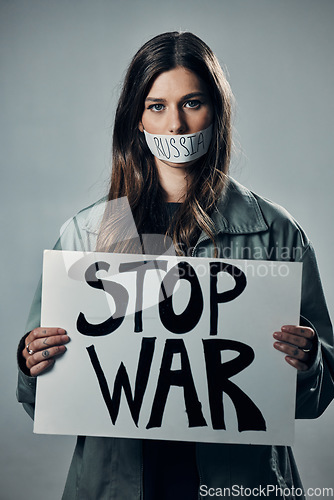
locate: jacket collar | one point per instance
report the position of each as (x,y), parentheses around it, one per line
(238,211)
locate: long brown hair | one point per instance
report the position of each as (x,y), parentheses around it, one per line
(134,174)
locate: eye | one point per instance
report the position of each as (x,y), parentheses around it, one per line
(193,104)
(156,107)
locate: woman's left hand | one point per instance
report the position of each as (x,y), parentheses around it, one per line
(296,342)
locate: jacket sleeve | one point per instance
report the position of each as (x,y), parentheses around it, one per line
(71,238)
(315,387)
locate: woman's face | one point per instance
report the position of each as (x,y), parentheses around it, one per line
(177,103)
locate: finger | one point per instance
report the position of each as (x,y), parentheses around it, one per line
(41,337)
(42,367)
(292,351)
(47,342)
(301,331)
(299,365)
(42,332)
(45,355)
(296,340)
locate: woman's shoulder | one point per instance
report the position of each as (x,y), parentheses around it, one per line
(88,218)
(242,207)
(80,231)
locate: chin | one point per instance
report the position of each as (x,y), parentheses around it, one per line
(180,165)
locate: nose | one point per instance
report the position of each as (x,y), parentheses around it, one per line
(176,121)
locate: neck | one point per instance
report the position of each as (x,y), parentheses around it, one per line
(174,180)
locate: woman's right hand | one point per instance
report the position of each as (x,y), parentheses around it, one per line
(42,345)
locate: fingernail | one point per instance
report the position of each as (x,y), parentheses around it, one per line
(277,335)
(61,330)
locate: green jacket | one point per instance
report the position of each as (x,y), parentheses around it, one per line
(247,227)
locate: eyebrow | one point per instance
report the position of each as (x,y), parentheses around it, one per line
(187,96)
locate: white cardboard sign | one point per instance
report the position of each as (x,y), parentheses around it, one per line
(174,348)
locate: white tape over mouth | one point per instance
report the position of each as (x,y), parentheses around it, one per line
(179,148)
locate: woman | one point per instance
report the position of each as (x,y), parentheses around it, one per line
(175,87)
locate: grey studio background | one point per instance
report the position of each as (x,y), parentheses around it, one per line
(61,66)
